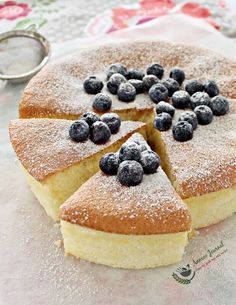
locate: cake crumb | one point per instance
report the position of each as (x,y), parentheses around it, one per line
(192,234)
(58,243)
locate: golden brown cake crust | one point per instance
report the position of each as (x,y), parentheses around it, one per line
(207,163)
(57,91)
(152,207)
(43,146)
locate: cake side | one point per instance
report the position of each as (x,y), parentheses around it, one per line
(121,250)
(211,208)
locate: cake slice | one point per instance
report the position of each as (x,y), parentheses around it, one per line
(203,170)
(140,226)
(55,165)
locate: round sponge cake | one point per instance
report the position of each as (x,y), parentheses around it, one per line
(146,225)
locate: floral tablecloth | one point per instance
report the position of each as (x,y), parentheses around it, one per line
(61,20)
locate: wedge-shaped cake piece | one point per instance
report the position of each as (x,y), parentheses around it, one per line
(140,226)
(54,164)
(203,170)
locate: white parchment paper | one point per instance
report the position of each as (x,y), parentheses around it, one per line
(33,269)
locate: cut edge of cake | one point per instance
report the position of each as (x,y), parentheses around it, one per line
(123,251)
(52,189)
(101,232)
(211,205)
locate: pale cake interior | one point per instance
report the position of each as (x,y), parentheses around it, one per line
(116,248)
(55,189)
(122,250)
(52,192)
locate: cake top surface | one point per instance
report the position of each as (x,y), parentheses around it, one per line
(202,165)
(57,91)
(207,163)
(104,204)
(43,146)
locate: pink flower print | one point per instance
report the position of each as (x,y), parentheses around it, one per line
(11,10)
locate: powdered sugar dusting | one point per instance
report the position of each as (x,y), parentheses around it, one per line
(58,90)
(35,271)
(207,163)
(44,147)
(200,166)
(103,203)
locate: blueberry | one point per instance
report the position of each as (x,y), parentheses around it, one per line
(116,68)
(194,86)
(162,121)
(112,120)
(190,117)
(149,81)
(138,85)
(130,173)
(90,117)
(99,132)
(178,75)
(126,92)
(155,69)
(102,102)
(114,82)
(180,99)
(130,151)
(158,93)
(211,88)
(109,163)
(199,98)
(182,131)
(171,85)
(79,131)
(204,114)
(135,74)
(149,161)
(165,107)
(93,85)
(142,146)
(219,105)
